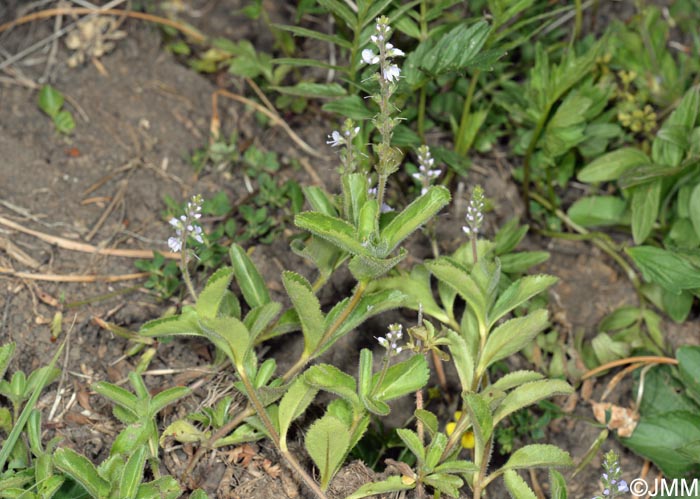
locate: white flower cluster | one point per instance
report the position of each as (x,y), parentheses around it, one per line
(390,341)
(337,139)
(390,71)
(424,174)
(187,225)
(475,212)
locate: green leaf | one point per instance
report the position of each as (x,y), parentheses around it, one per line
(331,379)
(413,216)
(509,236)
(351,106)
(80,469)
(249,279)
(529,394)
(597,211)
(557,485)
(165,487)
(229,334)
(511,337)
(132,474)
(434,452)
(327,442)
(538,456)
(212,295)
(64,122)
(517,487)
(308,309)
(429,420)
(516,378)
(481,418)
(332,229)
(259,318)
(118,395)
(391,484)
(612,165)
(457,278)
(412,442)
(694,209)
(462,357)
(342,11)
(456,49)
(665,268)
(320,200)
(517,263)
(6,353)
(445,483)
(662,437)
(297,399)
(184,324)
(689,368)
(368,268)
(402,378)
(316,35)
(312,90)
(645,209)
(518,293)
(169,396)
(50,100)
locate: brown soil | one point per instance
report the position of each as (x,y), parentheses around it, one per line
(137,123)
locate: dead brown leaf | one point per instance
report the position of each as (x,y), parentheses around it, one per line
(622,419)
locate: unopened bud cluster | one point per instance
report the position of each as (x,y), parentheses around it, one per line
(425,173)
(475,212)
(391,340)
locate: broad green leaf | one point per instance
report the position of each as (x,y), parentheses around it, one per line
(607,350)
(694,209)
(665,268)
(351,106)
(413,216)
(391,484)
(80,469)
(168,396)
(50,100)
(332,229)
(621,318)
(517,487)
(412,442)
(538,456)
(516,378)
(297,399)
(327,442)
(182,431)
(320,200)
(184,324)
(517,263)
(132,474)
(645,209)
(666,151)
(459,466)
(462,357)
(661,438)
(402,378)
(367,268)
(229,334)
(213,293)
(676,306)
(458,279)
(429,420)
(312,90)
(511,337)
(308,309)
(455,50)
(612,165)
(341,10)
(529,394)
(518,293)
(597,211)
(248,278)
(509,236)
(331,379)
(199,494)
(689,368)
(132,437)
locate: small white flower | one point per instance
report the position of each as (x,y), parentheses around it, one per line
(336,139)
(391,72)
(391,51)
(369,57)
(175,244)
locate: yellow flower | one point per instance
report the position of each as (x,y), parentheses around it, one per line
(467,437)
